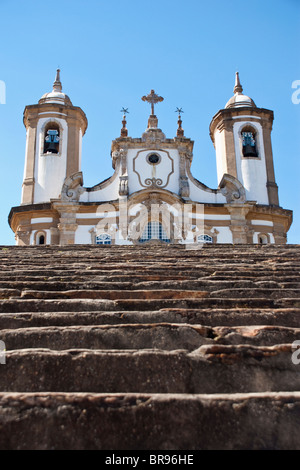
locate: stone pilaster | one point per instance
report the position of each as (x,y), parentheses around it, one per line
(238,224)
(272,187)
(67,222)
(28,183)
(279,233)
(23,232)
(54,231)
(23,235)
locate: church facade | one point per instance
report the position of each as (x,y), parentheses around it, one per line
(152,195)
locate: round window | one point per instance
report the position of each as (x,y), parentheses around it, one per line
(153,159)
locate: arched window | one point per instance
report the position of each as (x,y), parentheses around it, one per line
(249,142)
(40,238)
(204,239)
(51,138)
(103,239)
(154,231)
(262,239)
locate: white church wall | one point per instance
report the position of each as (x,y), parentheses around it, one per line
(224,235)
(139,170)
(41,220)
(262,222)
(50,169)
(200,195)
(220,154)
(251,172)
(82,234)
(110,192)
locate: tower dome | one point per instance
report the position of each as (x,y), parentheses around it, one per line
(239,99)
(56,95)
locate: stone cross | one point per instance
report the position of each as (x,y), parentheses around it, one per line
(152,98)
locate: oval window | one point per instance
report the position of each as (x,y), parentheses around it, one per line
(153,159)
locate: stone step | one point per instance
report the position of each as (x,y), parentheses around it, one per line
(68,278)
(148,283)
(285,317)
(164,336)
(209,369)
(88,304)
(158,347)
(94,421)
(115,294)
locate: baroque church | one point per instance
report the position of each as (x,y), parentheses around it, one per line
(152,195)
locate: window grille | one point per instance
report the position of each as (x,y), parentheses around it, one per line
(103,239)
(154,231)
(204,239)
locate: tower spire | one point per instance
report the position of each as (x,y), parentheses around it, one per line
(57,86)
(124,131)
(180,131)
(237,87)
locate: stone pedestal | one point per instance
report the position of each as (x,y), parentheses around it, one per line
(67,222)
(241,232)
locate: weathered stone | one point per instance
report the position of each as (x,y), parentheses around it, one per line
(150,347)
(84,421)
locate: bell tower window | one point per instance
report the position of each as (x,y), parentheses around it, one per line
(51,140)
(249,143)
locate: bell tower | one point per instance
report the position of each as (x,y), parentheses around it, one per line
(241,134)
(54,131)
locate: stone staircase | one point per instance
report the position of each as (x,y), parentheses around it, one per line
(151,347)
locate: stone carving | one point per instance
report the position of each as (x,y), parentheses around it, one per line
(153,182)
(152,136)
(184,187)
(72,187)
(232,189)
(123,186)
(119,155)
(155,178)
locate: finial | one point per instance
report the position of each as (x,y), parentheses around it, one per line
(57,86)
(152,98)
(180,131)
(237,87)
(124,131)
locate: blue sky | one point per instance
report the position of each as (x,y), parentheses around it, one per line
(112,53)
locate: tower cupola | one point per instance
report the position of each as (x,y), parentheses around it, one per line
(56,95)
(239,99)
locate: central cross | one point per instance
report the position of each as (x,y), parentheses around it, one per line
(152,98)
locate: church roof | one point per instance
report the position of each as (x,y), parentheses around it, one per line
(239,99)
(56,95)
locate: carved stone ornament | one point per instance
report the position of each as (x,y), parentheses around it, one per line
(232,189)
(152,136)
(72,187)
(184,186)
(123,186)
(119,154)
(152,176)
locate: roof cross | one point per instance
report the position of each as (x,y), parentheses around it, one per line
(152,98)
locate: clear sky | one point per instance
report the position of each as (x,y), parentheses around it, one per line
(111,53)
